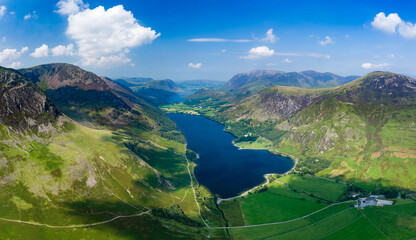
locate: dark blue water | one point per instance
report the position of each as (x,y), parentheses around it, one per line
(222,168)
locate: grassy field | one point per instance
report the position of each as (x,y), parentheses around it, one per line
(278,203)
(342,222)
(291,229)
(331,191)
(397,221)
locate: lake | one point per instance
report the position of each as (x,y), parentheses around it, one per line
(223,168)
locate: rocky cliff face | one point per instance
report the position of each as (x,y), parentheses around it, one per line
(275,103)
(23,105)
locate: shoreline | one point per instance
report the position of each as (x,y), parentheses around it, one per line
(276,152)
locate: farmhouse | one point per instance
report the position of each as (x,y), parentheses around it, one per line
(373,201)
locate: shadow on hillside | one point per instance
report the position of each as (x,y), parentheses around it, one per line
(145,226)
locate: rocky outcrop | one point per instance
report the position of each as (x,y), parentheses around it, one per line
(23,105)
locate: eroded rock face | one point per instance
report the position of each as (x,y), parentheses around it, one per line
(23,105)
(281,106)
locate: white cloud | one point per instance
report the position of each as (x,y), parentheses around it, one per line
(9,55)
(223,50)
(69,7)
(107,60)
(259,52)
(391,55)
(407,30)
(347,36)
(42,51)
(195,65)
(218,40)
(104,36)
(3,39)
(271,64)
(393,23)
(63,50)
(270,37)
(328,40)
(386,24)
(368,65)
(30,15)
(2,11)
(287,60)
(14,65)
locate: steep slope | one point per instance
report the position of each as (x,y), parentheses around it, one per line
(57,172)
(88,98)
(275,103)
(254,81)
(23,105)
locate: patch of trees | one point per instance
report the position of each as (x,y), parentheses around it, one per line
(310,165)
(245,139)
(173,136)
(389,193)
(191,155)
(261,189)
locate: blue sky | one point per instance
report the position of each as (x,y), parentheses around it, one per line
(196,39)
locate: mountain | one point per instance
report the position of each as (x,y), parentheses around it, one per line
(126,170)
(252,82)
(165,84)
(88,98)
(156,92)
(24,107)
(131,82)
(190,85)
(137,83)
(362,132)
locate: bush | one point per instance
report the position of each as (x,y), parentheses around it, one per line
(311,165)
(191,155)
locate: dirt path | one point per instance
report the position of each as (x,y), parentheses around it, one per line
(194,192)
(73,226)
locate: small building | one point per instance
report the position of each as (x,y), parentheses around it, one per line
(373,201)
(366,202)
(354,195)
(381,203)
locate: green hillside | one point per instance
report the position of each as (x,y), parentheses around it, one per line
(61,178)
(362,132)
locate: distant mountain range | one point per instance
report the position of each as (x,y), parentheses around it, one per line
(159,92)
(249,83)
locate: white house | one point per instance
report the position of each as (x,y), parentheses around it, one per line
(373,201)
